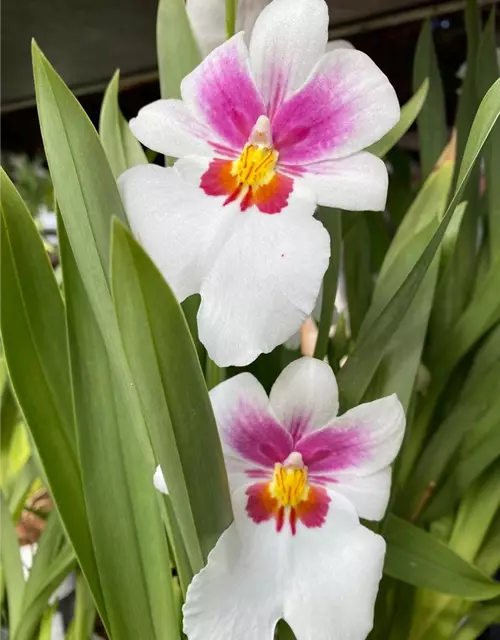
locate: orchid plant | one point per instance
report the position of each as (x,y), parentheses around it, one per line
(321,476)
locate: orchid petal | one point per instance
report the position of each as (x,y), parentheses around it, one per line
(369,494)
(346,105)
(255,576)
(381,424)
(207,18)
(356,183)
(168,127)
(159,481)
(176,223)
(252,438)
(264,282)
(305,396)
(287,41)
(221,93)
(353,454)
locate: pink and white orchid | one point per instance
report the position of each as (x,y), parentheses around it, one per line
(300,478)
(263,134)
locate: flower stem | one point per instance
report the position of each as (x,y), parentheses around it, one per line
(230,17)
(331,220)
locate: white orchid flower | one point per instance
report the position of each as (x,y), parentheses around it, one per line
(300,478)
(208,20)
(264,134)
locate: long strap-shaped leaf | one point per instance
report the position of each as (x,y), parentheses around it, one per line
(174,396)
(128,535)
(34,340)
(418,558)
(356,374)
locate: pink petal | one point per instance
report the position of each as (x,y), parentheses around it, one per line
(346,105)
(221,92)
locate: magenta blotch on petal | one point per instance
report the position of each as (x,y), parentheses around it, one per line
(331,449)
(312,122)
(221,89)
(257,436)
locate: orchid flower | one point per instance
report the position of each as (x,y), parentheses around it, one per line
(300,478)
(208,20)
(263,135)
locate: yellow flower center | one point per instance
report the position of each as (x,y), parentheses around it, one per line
(289,485)
(255,166)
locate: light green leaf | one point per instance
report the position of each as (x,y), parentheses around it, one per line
(178,53)
(83,623)
(173,393)
(117,471)
(122,149)
(487,72)
(477,408)
(409,113)
(359,369)
(331,220)
(478,620)
(432,130)
(416,557)
(53,561)
(12,567)
(34,340)
(398,368)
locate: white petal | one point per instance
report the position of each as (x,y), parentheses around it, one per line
(159,481)
(287,41)
(168,127)
(322,581)
(339,44)
(264,283)
(305,396)
(381,424)
(176,222)
(356,183)
(208,20)
(369,494)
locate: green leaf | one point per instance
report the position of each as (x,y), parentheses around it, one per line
(117,471)
(12,567)
(83,623)
(487,72)
(21,487)
(398,368)
(9,418)
(432,129)
(475,515)
(173,393)
(332,222)
(85,188)
(478,620)
(409,113)
(122,149)
(53,561)
(360,367)
(416,557)
(178,53)
(34,340)
(357,268)
(477,407)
